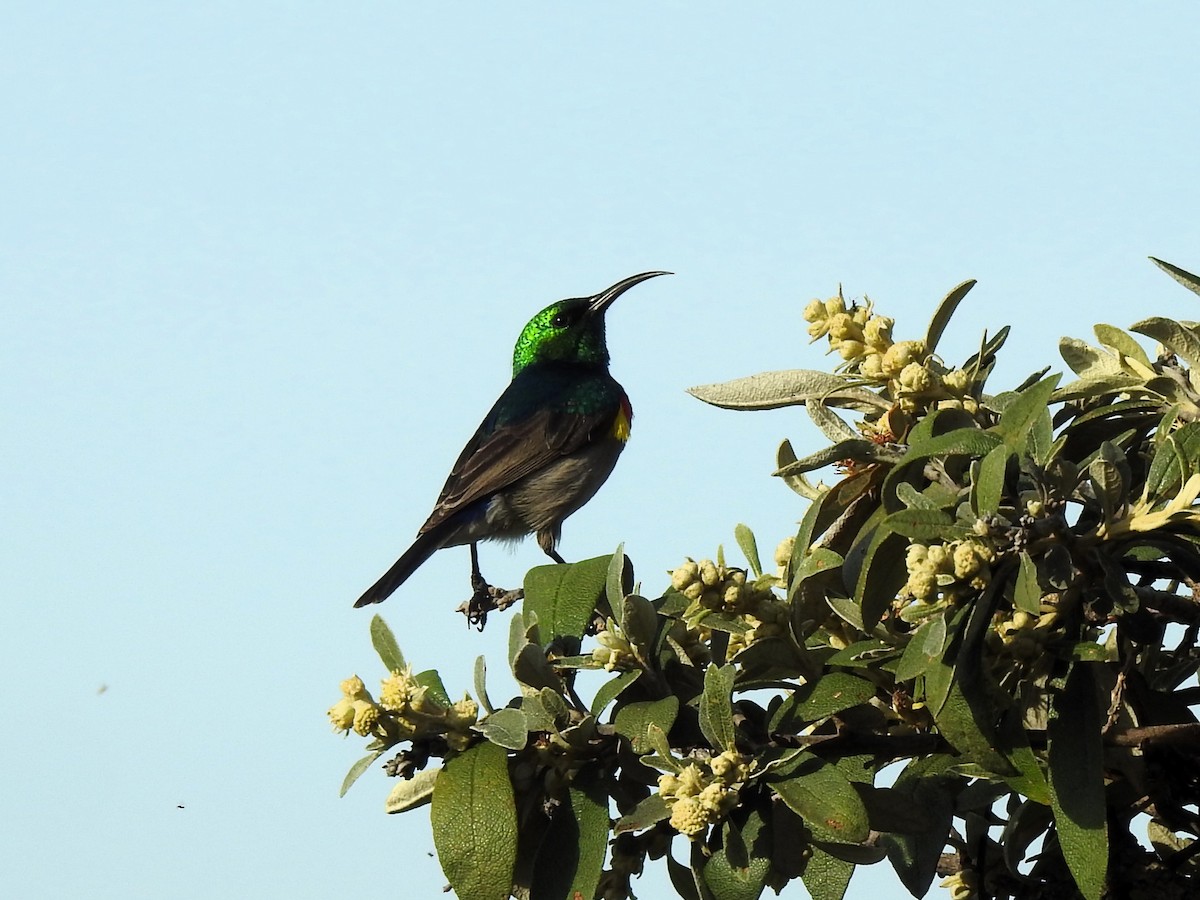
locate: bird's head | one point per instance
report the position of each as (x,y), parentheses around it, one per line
(572,330)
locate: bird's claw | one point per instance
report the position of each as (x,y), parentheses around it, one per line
(485,599)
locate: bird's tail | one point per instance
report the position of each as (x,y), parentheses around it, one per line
(423,547)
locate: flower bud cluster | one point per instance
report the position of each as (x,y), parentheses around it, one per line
(406,710)
(356,710)
(783,559)
(855,333)
(945,571)
(615,652)
(714,587)
(1021,634)
(703,793)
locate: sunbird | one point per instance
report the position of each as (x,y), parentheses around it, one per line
(542,451)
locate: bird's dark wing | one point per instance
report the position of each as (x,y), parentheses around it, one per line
(495,459)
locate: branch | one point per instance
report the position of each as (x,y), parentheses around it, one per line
(1182,733)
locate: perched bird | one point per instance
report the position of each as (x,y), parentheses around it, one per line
(542,451)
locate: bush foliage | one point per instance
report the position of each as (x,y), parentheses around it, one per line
(996,599)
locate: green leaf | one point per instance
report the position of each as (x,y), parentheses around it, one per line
(930,788)
(738,871)
(919,524)
(945,310)
(771,390)
(1041,439)
(882,575)
(481,683)
(1121,342)
(831,424)
(826,800)
(1018,419)
(564,597)
(1029,781)
(572,853)
(641,622)
(959,442)
(832,693)
(434,689)
(544,710)
(632,720)
(819,559)
(649,812)
(506,727)
(989,487)
(1027,593)
(616,584)
(410,793)
(1187,279)
(924,648)
(856,449)
(716,707)
(358,768)
(1077,780)
(826,877)
(611,689)
(962,720)
(1088,362)
(385,644)
(516,638)
(1180,339)
(532,669)
(863,653)
(474,821)
(745,539)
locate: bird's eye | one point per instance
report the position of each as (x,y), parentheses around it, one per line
(563,319)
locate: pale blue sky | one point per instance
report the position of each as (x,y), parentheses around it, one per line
(262,265)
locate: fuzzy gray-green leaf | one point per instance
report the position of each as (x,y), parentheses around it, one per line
(716,710)
(944,312)
(1184,277)
(793,387)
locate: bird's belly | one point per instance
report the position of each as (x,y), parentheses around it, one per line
(542,500)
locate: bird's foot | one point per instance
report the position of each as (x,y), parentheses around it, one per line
(484,599)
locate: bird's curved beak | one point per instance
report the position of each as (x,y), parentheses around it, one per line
(604,299)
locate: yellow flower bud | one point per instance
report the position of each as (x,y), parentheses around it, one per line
(366,717)
(688,816)
(914,556)
(835,305)
(871,366)
(341,715)
(709,574)
(916,379)
(843,328)
(815,311)
(851,350)
(900,355)
(463,714)
(691,781)
(967,561)
(353,688)
(877,333)
(685,575)
(718,799)
(956,382)
(937,559)
(668,784)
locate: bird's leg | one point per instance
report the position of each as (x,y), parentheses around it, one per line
(485,597)
(546,540)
